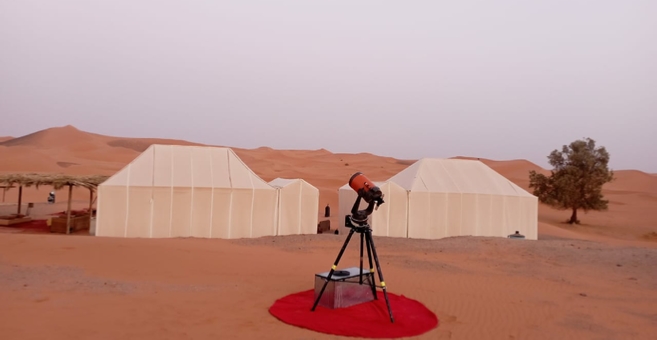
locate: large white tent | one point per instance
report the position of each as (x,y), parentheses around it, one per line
(459,197)
(298,206)
(388,220)
(186,191)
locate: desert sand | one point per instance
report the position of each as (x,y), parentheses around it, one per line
(596,280)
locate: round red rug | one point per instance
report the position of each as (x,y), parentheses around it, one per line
(366,320)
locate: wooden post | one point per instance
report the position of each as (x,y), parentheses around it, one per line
(20,199)
(68,209)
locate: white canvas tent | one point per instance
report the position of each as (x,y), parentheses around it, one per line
(388,220)
(186,191)
(298,206)
(458,197)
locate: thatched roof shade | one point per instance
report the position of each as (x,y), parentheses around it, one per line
(57,181)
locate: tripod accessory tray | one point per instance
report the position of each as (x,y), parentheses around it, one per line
(345,290)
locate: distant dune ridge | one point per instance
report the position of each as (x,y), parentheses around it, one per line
(69,150)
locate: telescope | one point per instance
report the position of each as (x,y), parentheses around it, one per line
(367,191)
(372,194)
(366,188)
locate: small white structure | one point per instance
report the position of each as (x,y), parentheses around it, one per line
(298,206)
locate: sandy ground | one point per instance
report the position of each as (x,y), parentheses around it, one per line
(80,287)
(596,280)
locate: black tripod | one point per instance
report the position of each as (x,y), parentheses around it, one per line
(365,231)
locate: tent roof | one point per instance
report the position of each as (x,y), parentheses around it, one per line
(281,182)
(457,176)
(346,185)
(188,166)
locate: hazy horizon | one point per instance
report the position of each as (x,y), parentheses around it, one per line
(502,80)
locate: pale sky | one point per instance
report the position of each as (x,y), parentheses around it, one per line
(407,79)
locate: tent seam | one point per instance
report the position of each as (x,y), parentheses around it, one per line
(300,203)
(127,203)
(408,214)
(191,203)
(150,232)
(252,205)
(388,209)
(230,206)
(450,177)
(211,193)
(171,194)
(277,218)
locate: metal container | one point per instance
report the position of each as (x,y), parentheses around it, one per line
(345,290)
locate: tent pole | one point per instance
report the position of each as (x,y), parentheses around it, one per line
(68,210)
(20,199)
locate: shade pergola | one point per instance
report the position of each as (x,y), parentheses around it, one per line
(57,181)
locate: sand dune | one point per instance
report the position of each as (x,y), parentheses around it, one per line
(592,280)
(68,138)
(633,181)
(69,150)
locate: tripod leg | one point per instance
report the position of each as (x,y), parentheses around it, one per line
(361,258)
(371,274)
(378,268)
(333,268)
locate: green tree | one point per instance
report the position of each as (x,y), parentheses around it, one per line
(575,183)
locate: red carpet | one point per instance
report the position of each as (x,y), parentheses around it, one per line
(366,320)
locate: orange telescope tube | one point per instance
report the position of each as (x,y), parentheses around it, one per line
(358,181)
(366,188)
